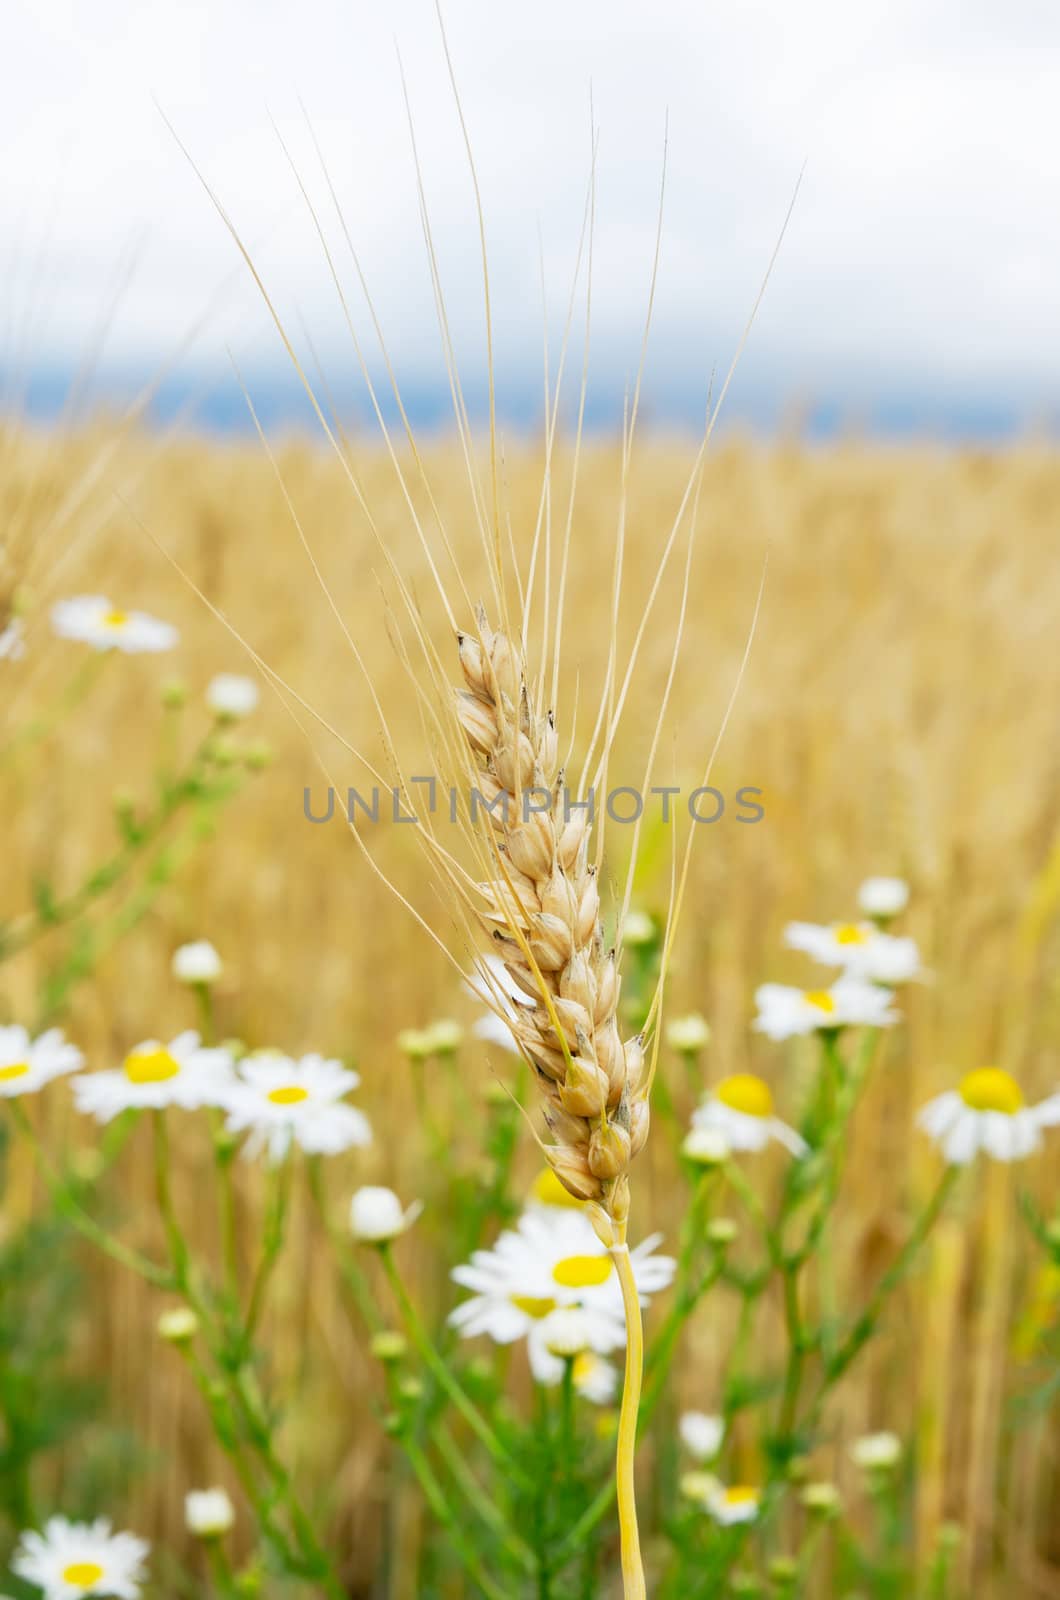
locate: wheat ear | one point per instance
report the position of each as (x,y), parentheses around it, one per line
(540,910)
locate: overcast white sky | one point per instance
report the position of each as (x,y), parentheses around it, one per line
(920,271)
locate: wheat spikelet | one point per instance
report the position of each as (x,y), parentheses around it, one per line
(541,913)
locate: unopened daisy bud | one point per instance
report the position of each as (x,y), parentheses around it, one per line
(876,1452)
(444,1037)
(196,963)
(248,1582)
(389,1346)
(88,1166)
(702,1487)
(701,1434)
(688,1035)
(883,897)
(224,751)
(822,1499)
(376,1215)
(706,1147)
(230,696)
(411,1390)
(208,1513)
(414,1043)
(745,1583)
(722,1231)
(566,1333)
(609,1151)
(783,1570)
(178,1326)
(638,930)
(258,755)
(174,694)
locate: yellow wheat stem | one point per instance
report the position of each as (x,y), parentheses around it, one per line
(633,1586)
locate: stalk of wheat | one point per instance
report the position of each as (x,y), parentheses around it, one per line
(541,914)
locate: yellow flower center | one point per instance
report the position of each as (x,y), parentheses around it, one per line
(991,1089)
(150,1066)
(745,1093)
(17,1069)
(288,1096)
(536,1307)
(740,1494)
(84,1573)
(820,998)
(850,933)
(115,619)
(547,1190)
(582,1272)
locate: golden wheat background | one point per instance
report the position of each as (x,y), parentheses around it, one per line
(899,713)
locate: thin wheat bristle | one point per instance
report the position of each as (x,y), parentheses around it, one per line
(541,914)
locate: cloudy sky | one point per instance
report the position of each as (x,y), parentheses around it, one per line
(917,285)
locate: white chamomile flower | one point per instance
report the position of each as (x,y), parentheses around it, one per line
(876,1452)
(701,1434)
(196,963)
(566,1332)
(13,640)
(883,897)
(26,1064)
(492,986)
(687,1035)
(208,1513)
(182,1073)
(737,1503)
(706,1147)
(639,929)
(92,620)
(987,1112)
(740,1109)
(377,1215)
(552,1259)
(280,1101)
(71,1559)
(784,1012)
(860,948)
(231,697)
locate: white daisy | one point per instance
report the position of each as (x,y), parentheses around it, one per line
(231,696)
(876,1452)
(153,1076)
(94,621)
(208,1513)
(784,1012)
(595,1379)
(26,1064)
(13,640)
(377,1215)
(738,1503)
(860,948)
(196,963)
(279,1100)
(883,897)
(688,1035)
(987,1112)
(71,1559)
(552,1258)
(493,987)
(740,1108)
(701,1434)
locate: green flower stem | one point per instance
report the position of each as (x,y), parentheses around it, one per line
(223,1577)
(355,1280)
(226,1204)
(442,1374)
(865,1324)
(441,1510)
(76,691)
(66,1204)
(272,1241)
(179,1253)
(479,1500)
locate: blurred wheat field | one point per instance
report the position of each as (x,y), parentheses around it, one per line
(899,714)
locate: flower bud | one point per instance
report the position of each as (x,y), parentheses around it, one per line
(565,1332)
(389,1346)
(688,1035)
(706,1147)
(196,963)
(178,1326)
(376,1216)
(208,1513)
